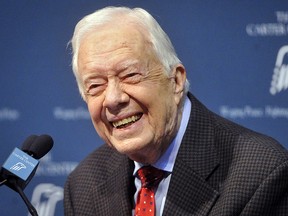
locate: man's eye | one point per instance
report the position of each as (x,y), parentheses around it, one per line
(94,86)
(131,75)
(95,89)
(132,78)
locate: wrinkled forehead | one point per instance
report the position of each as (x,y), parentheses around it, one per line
(114,41)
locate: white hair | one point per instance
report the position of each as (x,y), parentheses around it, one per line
(157,37)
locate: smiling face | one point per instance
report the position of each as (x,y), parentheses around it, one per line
(133,105)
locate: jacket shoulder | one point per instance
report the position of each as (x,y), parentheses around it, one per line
(96,166)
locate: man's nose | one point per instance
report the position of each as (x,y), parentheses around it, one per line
(115,96)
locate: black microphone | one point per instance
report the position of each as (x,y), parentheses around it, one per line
(20,167)
(39,147)
(28,142)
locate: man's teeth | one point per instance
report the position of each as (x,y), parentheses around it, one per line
(126,121)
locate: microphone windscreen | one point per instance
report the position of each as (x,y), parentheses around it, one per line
(28,142)
(41,146)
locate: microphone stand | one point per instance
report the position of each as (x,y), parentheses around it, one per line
(30,207)
(3,182)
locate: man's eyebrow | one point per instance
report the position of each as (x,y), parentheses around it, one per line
(118,68)
(87,77)
(126,64)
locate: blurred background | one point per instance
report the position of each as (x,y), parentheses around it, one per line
(235,53)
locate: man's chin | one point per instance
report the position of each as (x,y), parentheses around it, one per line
(141,155)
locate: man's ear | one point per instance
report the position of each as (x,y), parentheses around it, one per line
(179,76)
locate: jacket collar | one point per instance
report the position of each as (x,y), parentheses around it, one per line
(196,160)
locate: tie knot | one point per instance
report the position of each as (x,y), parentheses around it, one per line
(150,176)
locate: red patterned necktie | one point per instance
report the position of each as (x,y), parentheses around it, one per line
(150,177)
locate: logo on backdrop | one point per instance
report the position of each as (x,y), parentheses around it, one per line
(279,81)
(45,198)
(18,166)
(279,28)
(280,76)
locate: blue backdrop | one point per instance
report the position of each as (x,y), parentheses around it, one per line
(235,53)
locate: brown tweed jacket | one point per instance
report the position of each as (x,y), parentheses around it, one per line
(222,169)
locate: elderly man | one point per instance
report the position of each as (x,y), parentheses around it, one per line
(164,152)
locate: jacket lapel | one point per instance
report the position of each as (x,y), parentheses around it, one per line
(189,191)
(117,192)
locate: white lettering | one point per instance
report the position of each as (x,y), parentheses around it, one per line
(9,114)
(30,163)
(56,168)
(18,156)
(282,16)
(252,112)
(241,112)
(71,114)
(266,29)
(276,112)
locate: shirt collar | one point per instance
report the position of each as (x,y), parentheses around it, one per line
(167,160)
